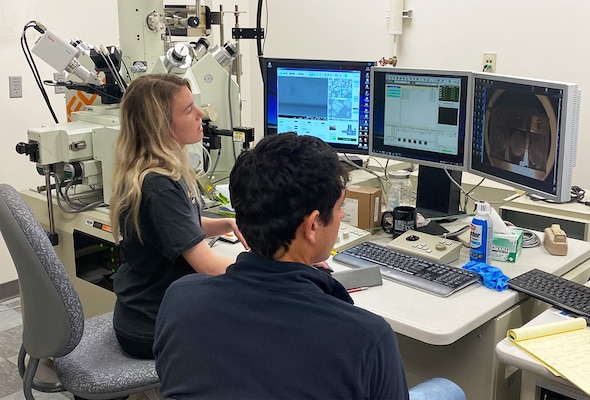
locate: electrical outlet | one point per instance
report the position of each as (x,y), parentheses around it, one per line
(59,77)
(15,87)
(489,61)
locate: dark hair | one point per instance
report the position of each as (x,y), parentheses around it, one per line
(276,184)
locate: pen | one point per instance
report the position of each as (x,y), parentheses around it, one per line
(357,289)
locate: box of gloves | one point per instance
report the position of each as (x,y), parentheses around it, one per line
(507,246)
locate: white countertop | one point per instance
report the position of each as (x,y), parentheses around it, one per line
(441,321)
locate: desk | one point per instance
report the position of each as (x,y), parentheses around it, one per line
(455,337)
(442,321)
(95,300)
(452,337)
(534,375)
(574,218)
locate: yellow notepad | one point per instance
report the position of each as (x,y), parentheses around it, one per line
(563,347)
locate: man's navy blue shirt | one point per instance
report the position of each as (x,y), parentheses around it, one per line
(270,330)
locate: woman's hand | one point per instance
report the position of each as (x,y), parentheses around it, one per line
(219,226)
(236,230)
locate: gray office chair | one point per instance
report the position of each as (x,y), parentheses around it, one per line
(86,356)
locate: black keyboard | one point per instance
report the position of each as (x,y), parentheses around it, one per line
(555,290)
(434,278)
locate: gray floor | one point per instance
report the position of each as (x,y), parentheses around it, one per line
(10,341)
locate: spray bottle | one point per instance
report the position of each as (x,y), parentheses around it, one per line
(482,233)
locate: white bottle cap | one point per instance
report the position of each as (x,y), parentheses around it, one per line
(399,174)
(483,207)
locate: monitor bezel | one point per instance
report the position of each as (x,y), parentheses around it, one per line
(566,137)
(462,162)
(321,64)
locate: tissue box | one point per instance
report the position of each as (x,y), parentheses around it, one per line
(507,247)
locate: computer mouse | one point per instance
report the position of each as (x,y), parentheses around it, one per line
(412,238)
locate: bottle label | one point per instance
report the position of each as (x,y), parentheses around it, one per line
(478,241)
(477,234)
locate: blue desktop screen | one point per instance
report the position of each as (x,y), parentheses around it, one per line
(326,99)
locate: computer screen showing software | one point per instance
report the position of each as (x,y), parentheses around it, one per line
(419,116)
(422,112)
(326,99)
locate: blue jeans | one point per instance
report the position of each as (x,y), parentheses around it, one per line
(437,389)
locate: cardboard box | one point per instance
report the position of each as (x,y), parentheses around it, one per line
(507,247)
(362,207)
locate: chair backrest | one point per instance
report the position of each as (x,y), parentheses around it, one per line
(53,319)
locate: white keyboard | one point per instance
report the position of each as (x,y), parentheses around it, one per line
(348,236)
(427,247)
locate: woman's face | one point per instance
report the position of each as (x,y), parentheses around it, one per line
(186,125)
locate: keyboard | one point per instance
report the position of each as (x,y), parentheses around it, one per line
(439,279)
(555,290)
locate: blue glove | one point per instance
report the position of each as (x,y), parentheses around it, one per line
(492,277)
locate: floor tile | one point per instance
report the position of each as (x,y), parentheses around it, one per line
(39,396)
(13,303)
(9,318)
(10,341)
(10,381)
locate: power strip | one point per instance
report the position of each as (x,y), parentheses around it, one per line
(348,236)
(427,247)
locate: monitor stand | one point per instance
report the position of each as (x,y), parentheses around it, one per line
(351,158)
(436,195)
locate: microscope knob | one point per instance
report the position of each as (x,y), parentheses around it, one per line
(22,148)
(193,22)
(179,52)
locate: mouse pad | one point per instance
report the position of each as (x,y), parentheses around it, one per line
(433,228)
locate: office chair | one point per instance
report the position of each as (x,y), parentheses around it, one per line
(86,356)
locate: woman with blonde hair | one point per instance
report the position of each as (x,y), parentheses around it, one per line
(156,205)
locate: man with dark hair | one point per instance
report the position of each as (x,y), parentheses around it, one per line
(274,326)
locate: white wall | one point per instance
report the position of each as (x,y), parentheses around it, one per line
(537,38)
(93,22)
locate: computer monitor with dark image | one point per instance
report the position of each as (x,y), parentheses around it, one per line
(422,116)
(525,133)
(323,98)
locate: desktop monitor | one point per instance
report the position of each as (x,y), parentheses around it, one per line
(525,133)
(423,116)
(326,99)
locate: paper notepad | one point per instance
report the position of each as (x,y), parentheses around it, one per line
(563,347)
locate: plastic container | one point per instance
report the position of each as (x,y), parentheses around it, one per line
(399,189)
(482,233)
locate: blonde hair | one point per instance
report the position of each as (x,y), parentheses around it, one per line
(145,145)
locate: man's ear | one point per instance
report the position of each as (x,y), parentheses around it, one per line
(310,225)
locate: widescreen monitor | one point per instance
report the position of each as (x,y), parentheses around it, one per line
(323,98)
(423,116)
(525,133)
